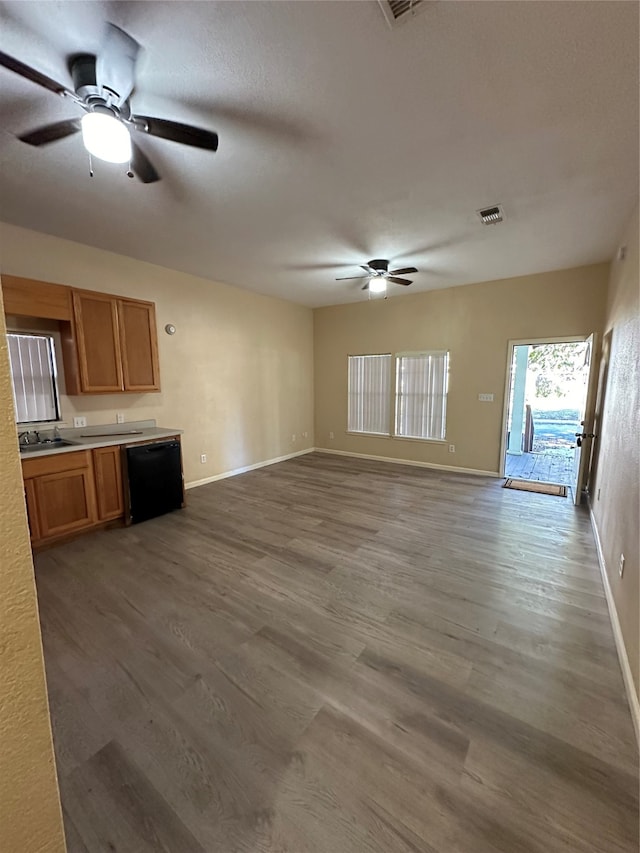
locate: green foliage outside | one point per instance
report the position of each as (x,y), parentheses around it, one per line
(555,365)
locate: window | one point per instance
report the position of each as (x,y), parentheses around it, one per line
(421,394)
(33,373)
(369,389)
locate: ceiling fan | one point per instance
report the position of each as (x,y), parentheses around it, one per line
(102,86)
(378,274)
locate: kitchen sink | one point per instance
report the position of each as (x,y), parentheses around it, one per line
(56,444)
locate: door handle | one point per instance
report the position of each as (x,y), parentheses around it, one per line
(580,436)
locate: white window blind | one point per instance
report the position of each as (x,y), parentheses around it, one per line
(369,390)
(33,375)
(421,394)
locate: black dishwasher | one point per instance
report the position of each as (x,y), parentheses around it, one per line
(155,479)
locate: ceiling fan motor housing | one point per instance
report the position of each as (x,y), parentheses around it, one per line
(83,74)
(379,264)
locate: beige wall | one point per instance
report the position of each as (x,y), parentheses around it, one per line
(474,323)
(615,497)
(237,376)
(30,818)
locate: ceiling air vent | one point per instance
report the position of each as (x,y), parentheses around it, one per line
(397,11)
(491,215)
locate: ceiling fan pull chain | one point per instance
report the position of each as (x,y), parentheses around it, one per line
(130,170)
(90,165)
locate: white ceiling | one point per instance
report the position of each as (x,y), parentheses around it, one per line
(341,139)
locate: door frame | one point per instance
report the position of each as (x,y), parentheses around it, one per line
(511,345)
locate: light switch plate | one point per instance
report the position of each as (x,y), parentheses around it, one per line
(79,422)
(485,398)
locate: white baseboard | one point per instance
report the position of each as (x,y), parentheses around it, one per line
(194,483)
(627,676)
(450,468)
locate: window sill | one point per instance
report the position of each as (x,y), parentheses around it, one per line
(39,424)
(422,440)
(368,434)
(398,437)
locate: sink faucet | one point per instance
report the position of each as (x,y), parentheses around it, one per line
(24,435)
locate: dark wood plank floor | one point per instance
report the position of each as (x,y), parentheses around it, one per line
(339,656)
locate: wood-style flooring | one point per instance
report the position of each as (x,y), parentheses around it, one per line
(333,655)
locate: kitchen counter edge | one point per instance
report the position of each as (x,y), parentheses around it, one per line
(92,442)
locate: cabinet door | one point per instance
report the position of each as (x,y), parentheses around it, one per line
(32,509)
(98,341)
(65,501)
(139,343)
(108,473)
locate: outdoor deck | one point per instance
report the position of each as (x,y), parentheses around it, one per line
(550,466)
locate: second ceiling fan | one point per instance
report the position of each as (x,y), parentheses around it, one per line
(377,273)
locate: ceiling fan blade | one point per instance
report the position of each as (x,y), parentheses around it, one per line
(141,166)
(51,132)
(116,63)
(403,271)
(31,74)
(349,277)
(176,132)
(369,270)
(395,280)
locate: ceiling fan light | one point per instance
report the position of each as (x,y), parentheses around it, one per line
(377,284)
(106,138)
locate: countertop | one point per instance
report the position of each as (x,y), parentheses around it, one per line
(86,438)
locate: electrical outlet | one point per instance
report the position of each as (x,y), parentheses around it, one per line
(331,435)
(203,458)
(621,565)
(305,435)
(485,398)
(452,448)
(120,418)
(79,421)
(293,437)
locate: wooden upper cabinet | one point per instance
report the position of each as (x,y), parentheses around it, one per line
(139,345)
(98,342)
(27,297)
(109,343)
(116,342)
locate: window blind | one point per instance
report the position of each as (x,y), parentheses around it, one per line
(33,378)
(369,390)
(421,394)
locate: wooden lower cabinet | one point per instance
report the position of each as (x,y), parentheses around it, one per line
(108,473)
(74,491)
(32,509)
(61,492)
(66,502)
